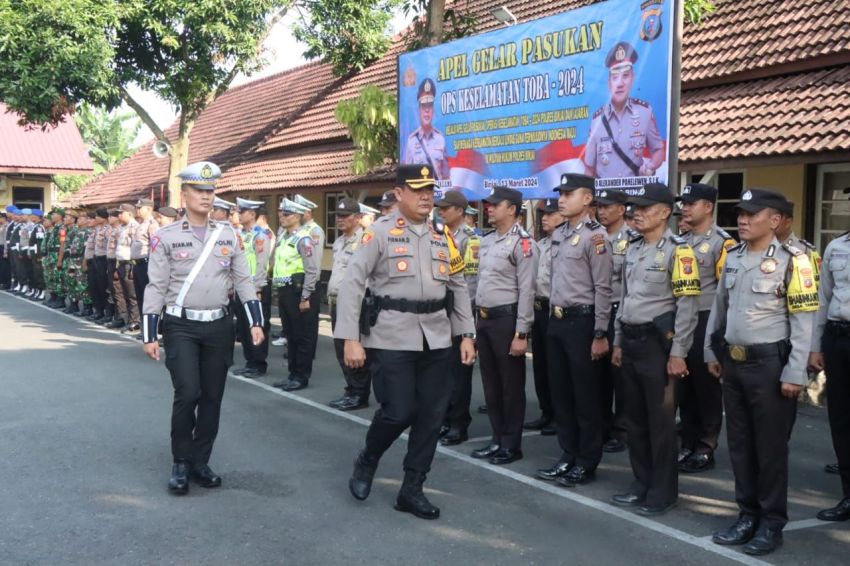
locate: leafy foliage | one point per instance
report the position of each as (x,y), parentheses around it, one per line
(458,22)
(697,10)
(372,122)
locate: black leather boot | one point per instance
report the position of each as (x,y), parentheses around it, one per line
(179,482)
(59,303)
(87,310)
(360,483)
(203,475)
(411,499)
(72,308)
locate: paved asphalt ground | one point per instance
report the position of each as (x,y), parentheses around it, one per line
(84,438)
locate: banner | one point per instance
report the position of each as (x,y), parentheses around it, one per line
(585,91)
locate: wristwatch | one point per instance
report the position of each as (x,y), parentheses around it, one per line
(599,334)
(468,335)
(521,335)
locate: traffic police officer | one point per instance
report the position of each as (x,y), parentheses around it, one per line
(357,380)
(504,303)
(426,144)
(624,130)
(831,351)
(699,394)
(423,301)
(295,275)
(312,226)
(577,339)
(654,330)
(222,209)
(610,210)
(458,419)
(140,249)
(758,339)
(550,220)
(258,250)
(193,264)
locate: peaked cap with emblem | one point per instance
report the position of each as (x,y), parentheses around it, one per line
(757,199)
(501,193)
(652,193)
(364,209)
(223,204)
(573,181)
(427,92)
(245,204)
(416,177)
(610,196)
(622,55)
(201,175)
(698,191)
(388,199)
(549,205)
(310,205)
(292,207)
(168,211)
(347,207)
(144,202)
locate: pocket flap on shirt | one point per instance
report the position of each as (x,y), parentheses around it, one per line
(762,285)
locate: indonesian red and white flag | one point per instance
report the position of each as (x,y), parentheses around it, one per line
(556,159)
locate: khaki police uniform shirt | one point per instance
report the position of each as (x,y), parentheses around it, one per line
(461,236)
(648,290)
(634,131)
(834,289)
(711,249)
(752,303)
(401,260)
(428,148)
(543,282)
(619,242)
(88,252)
(582,268)
(126,234)
(507,272)
(318,236)
(174,251)
(343,248)
(111,240)
(101,240)
(142,239)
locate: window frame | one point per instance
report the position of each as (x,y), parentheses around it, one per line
(716,182)
(820,201)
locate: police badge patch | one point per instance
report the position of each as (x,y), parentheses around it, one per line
(650,25)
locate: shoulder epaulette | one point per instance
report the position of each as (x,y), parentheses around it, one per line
(723,233)
(736,247)
(640,102)
(594,225)
(468,230)
(678,240)
(523,234)
(382,219)
(808,244)
(793,250)
(598,113)
(438,226)
(685,233)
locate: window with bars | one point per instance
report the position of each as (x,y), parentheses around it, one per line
(331,231)
(730,185)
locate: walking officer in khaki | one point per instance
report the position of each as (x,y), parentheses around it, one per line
(758,339)
(193,264)
(699,394)
(577,340)
(505,306)
(417,302)
(654,331)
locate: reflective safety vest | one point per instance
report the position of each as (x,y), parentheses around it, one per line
(250,252)
(287,260)
(470,257)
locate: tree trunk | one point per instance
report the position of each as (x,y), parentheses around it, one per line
(436,13)
(179,159)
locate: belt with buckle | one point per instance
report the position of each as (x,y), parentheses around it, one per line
(569,312)
(196,315)
(541,303)
(497,312)
(741,353)
(635,331)
(139,261)
(837,328)
(409,306)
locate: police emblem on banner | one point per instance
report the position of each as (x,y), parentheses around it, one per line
(650,25)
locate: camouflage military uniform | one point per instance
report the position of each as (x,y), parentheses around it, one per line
(80,290)
(52,276)
(71,263)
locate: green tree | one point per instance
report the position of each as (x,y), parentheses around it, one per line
(55,54)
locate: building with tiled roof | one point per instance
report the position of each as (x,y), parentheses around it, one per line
(30,157)
(765,87)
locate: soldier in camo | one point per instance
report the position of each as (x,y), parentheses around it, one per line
(72,262)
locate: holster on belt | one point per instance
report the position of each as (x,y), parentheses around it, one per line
(665,324)
(450,302)
(369,309)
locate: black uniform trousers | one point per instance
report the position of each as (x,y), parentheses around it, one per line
(303,330)
(539,361)
(413,389)
(92,280)
(700,397)
(503,377)
(758,427)
(613,398)
(358,382)
(24,269)
(197,354)
(113,298)
(37,272)
(255,356)
(140,281)
(5,270)
(836,350)
(574,379)
(457,414)
(650,419)
(103,281)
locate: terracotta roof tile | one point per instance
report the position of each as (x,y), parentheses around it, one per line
(58,149)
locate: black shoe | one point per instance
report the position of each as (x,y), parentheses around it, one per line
(360,483)
(506,456)
(558,470)
(578,475)
(614,445)
(203,475)
(444,430)
(333,404)
(486,452)
(739,533)
(86,312)
(252,373)
(411,499)
(684,454)
(116,324)
(482,409)
(654,510)
(353,403)
(766,541)
(59,304)
(627,499)
(697,463)
(548,430)
(240,371)
(179,482)
(840,512)
(454,437)
(135,327)
(72,308)
(293,385)
(831,468)
(537,423)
